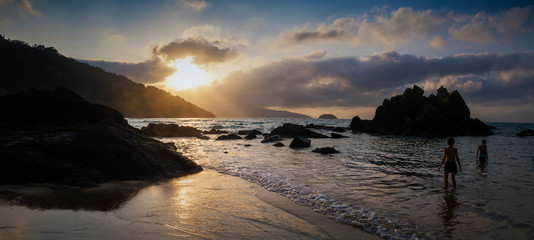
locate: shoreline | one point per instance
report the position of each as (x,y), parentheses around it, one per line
(209,205)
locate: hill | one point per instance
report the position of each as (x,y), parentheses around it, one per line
(23,67)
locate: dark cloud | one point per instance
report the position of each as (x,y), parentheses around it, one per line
(202,51)
(303,36)
(367,81)
(150,71)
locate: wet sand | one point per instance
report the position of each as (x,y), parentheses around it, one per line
(207,205)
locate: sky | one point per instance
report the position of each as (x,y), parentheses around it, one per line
(310,57)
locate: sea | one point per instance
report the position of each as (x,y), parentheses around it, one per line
(386,185)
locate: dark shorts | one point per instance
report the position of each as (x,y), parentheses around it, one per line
(482,159)
(450,167)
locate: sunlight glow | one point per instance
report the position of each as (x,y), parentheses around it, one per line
(188,75)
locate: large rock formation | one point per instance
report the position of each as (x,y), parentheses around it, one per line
(443,114)
(56,136)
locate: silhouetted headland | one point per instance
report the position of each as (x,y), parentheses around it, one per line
(23,67)
(57,136)
(443,114)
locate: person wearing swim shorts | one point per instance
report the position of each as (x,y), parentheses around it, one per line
(450,158)
(482,154)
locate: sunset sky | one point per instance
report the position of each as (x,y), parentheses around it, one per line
(310,57)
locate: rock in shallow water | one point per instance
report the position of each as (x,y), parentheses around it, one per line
(325,150)
(300,142)
(526,133)
(170,130)
(56,136)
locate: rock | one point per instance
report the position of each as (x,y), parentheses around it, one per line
(294,130)
(250,136)
(526,133)
(278,144)
(171,146)
(327,116)
(54,108)
(229,137)
(357,125)
(300,142)
(170,130)
(248,132)
(335,135)
(215,131)
(444,114)
(56,136)
(274,138)
(248,145)
(325,150)
(204,137)
(338,129)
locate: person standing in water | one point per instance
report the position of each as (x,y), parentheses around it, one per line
(450,157)
(482,154)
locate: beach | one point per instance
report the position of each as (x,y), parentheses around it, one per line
(206,205)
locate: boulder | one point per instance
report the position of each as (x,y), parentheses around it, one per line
(336,135)
(248,132)
(325,150)
(357,125)
(250,136)
(338,129)
(294,130)
(204,137)
(327,116)
(170,130)
(271,138)
(229,137)
(300,142)
(278,144)
(56,136)
(215,131)
(443,114)
(526,133)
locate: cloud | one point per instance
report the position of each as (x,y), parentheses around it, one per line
(340,29)
(316,55)
(406,25)
(27,7)
(198,5)
(484,27)
(202,51)
(437,42)
(5,2)
(110,36)
(361,82)
(149,72)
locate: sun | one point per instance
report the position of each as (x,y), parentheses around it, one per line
(187,75)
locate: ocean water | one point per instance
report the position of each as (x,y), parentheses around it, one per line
(386,185)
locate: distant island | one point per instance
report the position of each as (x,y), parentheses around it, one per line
(412,114)
(23,67)
(327,116)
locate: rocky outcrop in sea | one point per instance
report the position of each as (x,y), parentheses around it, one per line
(442,114)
